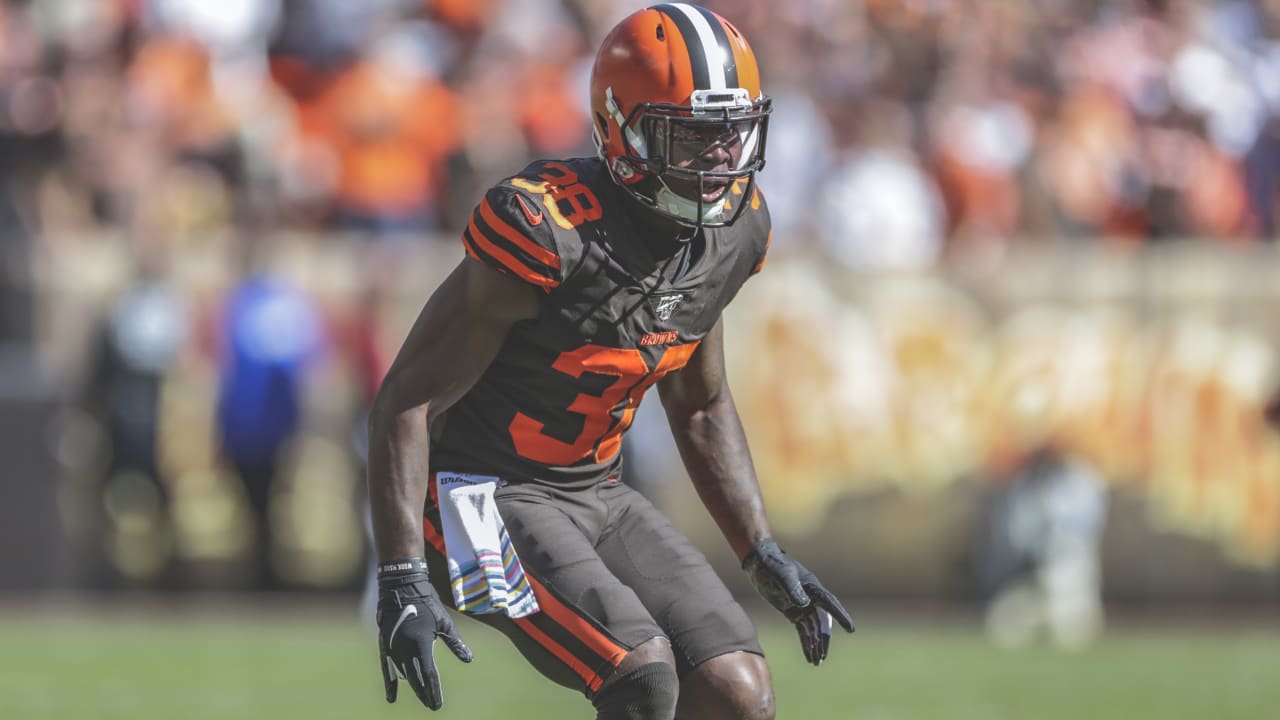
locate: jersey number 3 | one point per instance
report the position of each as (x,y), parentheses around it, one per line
(601,432)
(568,201)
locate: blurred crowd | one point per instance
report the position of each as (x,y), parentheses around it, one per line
(904,132)
(903,127)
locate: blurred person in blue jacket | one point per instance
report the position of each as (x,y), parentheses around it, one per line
(271,333)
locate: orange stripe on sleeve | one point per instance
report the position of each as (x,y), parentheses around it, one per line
(508,260)
(466,245)
(516,237)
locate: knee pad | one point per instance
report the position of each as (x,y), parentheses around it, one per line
(648,692)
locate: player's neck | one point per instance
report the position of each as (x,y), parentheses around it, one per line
(663,236)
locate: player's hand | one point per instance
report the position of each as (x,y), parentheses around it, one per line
(410,618)
(796,592)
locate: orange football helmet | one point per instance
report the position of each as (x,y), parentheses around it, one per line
(678,113)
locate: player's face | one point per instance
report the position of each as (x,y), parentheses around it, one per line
(715,147)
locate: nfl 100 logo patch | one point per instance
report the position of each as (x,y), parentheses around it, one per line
(666,304)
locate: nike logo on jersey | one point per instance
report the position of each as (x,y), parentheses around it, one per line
(408,612)
(530,215)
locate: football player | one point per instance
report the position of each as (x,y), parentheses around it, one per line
(585,282)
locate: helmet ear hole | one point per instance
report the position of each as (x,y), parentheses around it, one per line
(662,37)
(624,171)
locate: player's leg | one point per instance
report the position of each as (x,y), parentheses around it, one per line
(723,673)
(592,634)
(644,686)
(733,686)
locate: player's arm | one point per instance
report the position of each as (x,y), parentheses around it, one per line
(713,446)
(454,339)
(511,261)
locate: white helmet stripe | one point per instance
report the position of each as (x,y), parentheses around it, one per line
(711,48)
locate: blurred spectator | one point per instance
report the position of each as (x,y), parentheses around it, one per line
(799,149)
(1039,561)
(879,210)
(270,333)
(16,317)
(392,125)
(1262,165)
(136,348)
(173,96)
(30,108)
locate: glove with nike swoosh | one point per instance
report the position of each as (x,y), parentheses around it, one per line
(796,592)
(410,618)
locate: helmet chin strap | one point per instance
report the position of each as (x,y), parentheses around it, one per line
(669,201)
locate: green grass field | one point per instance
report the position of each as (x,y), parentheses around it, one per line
(320,665)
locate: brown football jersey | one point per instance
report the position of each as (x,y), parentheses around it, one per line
(615,318)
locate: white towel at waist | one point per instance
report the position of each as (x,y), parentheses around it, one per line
(484,571)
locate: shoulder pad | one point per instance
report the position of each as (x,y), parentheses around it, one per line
(508,233)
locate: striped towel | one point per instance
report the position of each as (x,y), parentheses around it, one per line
(484,571)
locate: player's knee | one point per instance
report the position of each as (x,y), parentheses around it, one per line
(643,692)
(753,700)
(737,685)
(749,695)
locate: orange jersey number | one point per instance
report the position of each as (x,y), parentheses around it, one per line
(601,434)
(568,201)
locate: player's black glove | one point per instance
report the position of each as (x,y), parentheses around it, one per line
(410,618)
(796,592)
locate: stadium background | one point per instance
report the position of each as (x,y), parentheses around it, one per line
(998,227)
